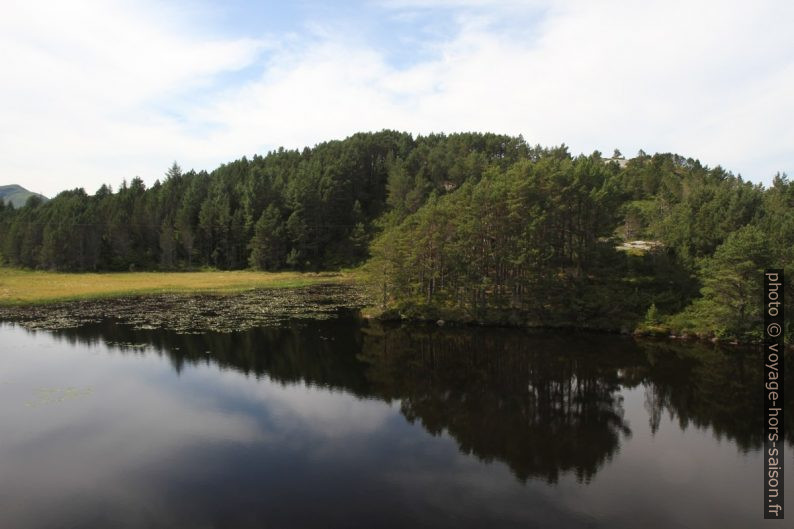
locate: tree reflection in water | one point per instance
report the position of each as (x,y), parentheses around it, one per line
(545,404)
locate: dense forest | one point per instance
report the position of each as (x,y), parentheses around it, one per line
(470,227)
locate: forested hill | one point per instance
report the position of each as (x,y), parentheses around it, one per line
(309,209)
(480,227)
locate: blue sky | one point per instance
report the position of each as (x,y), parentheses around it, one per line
(96,91)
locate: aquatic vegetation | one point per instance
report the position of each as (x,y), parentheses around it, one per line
(187,313)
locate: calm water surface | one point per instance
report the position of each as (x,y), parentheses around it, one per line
(346,424)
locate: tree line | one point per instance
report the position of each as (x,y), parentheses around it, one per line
(311,209)
(471,226)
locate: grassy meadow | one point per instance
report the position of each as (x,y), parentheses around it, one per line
(23,287)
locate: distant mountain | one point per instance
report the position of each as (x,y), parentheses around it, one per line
(17,195)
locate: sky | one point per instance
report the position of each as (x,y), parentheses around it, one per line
(93,92)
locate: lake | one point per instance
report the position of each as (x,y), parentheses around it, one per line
(347,423)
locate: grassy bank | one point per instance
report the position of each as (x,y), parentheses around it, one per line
(23,287)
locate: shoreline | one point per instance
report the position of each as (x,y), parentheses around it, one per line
(236,310)
(636,334)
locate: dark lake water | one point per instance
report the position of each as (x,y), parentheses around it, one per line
(340,423)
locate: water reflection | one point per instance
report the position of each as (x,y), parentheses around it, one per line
(542,403)
(343,423)
(709,387)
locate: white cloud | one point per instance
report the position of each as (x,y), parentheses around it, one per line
(298,409)
(88,98)
(78,84)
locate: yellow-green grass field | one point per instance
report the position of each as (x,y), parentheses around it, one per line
(23,287)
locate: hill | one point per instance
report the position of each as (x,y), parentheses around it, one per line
(474,227)
(17,195)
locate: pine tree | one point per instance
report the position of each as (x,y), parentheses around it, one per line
(268,245)
(167,245)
